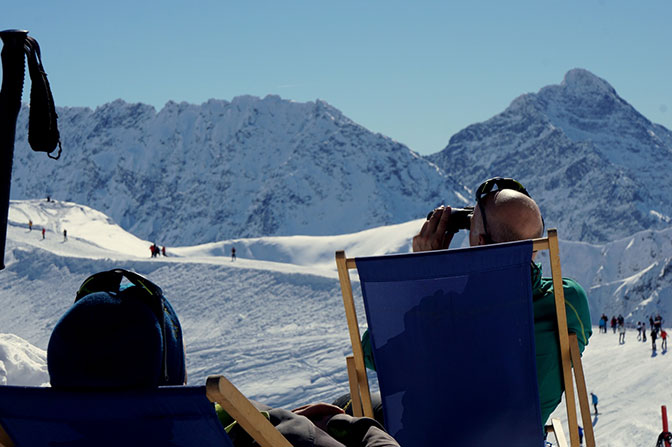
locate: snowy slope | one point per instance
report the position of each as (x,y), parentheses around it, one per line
(628,276)
(275,324)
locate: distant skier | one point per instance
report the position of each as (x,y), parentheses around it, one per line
(644,331)
(621,334)
(613,323)
(653,340)
(663,338)
(639,331)
(594,398)
(43,232)
(65,235)
(30,225)
(580,435)
(658,322)
(603,325)
(605,320)
(233,254)
(163,250)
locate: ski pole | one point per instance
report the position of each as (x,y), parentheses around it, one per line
(13,70)
(663,409)
(43,135)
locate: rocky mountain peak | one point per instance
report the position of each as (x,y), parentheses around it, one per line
(595,162)
(580,81)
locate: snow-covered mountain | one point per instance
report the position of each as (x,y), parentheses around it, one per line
(250,167)
(597,167)
(257,167)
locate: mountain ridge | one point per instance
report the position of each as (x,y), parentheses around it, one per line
(592,162)
(251,167)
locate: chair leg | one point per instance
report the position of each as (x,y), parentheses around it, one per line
(354,387)
(563,338)
(353,330)
(581,388)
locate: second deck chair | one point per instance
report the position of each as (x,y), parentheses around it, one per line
(452,333)
(167,416)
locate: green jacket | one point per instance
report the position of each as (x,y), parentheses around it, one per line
(549,368)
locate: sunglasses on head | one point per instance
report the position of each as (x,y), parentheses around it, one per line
(493,185)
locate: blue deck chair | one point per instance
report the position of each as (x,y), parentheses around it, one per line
(167,416)
(474,306)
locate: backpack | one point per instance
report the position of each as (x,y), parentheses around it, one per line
(117,336)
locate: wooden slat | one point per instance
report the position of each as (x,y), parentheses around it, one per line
(5,440)
(559,434)
(582,391)
(540,244)
(355,400)
(220,390)
(353,329)
(563,336)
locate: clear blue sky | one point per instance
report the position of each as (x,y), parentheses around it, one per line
(416,71)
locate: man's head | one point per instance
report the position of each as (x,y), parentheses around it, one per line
(510,216)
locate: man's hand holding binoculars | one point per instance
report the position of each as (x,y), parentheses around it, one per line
(433,235)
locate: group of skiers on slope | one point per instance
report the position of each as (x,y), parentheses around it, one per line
(156,250)
(655,325)
(44,231)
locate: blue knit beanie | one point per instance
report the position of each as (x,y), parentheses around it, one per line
(128,338)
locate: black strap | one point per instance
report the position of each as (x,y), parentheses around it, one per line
(664,436)
(110,281)
(43,134)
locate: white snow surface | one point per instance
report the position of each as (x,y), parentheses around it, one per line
(272,321)
(22,363)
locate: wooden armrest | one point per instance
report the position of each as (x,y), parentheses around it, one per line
(220,390)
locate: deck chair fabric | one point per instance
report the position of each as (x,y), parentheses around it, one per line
(452,333)
(167,416)
(173,416)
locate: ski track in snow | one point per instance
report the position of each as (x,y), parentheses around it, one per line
(276,330)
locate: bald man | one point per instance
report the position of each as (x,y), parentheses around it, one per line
(512,216)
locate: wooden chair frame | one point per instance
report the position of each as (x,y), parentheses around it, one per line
(569,349)
(220,390)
